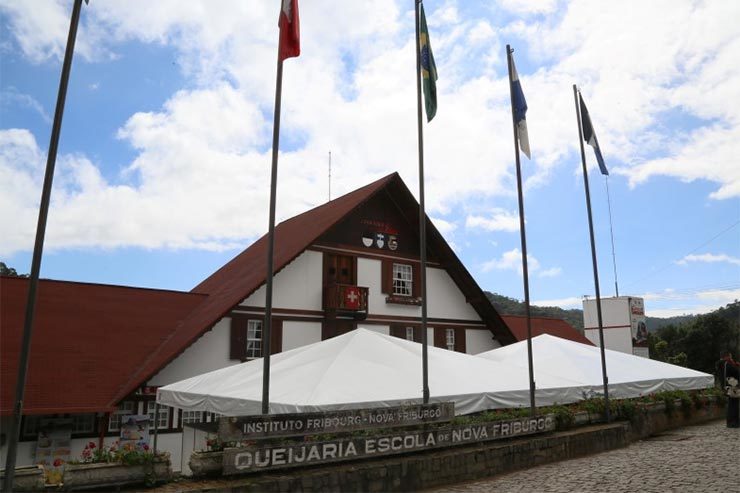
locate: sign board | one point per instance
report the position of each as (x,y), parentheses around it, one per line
(286,455)
(53,448)
(135,430)
(282,425)
(638,325)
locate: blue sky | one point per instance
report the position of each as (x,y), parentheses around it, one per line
(164,159)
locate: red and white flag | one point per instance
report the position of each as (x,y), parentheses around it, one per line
(290,34)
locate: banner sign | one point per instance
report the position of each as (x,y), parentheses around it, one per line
(282,425)
(54,448)
(262,458)
(638,325)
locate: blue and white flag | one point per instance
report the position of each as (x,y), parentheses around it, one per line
(589,136)
(520,110)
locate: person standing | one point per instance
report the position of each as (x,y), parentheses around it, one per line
(728,371)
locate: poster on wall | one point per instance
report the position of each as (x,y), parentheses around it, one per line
(53,448)
(135,431)
(639,327)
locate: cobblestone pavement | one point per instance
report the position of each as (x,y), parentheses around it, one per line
(701,458)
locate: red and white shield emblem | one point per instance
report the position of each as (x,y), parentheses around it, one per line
(352,298)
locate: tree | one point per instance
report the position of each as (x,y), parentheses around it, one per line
(9,271)
(705,337)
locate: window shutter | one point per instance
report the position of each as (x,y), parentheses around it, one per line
(417,334)
(416,280)
(386,277)
(238,347)
(460,340)
(398,331)
(439,337)
(276,336)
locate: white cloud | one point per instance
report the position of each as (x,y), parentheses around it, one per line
(13,97)
(709,258)
(499,220)
(511,260)
(552,272)
(529,6)
(564,303)
(204,152)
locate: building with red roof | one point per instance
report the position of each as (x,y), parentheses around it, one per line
(99,352)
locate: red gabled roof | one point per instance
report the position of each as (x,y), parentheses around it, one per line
(246,272)
(542,325)
(87,339)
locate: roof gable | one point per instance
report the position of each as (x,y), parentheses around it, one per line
(246,272)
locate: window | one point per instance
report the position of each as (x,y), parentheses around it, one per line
(162,418)
(403,280)
(191,417)
(126,407)
(83,423)
(254,339)
(450,339)
(409,333)
(31,426)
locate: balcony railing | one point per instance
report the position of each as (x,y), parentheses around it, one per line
(346,300)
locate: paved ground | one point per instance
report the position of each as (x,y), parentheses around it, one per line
(702,458)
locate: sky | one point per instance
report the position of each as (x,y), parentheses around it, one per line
(163,167)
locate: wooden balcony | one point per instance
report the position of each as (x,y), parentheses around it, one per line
(346,300)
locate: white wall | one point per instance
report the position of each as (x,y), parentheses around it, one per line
(380,329)
(617,339)
(615,312)
(208,353)
(296,286)
(479,341)
(297,334)
(444,298)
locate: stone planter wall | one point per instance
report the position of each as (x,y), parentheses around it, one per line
(467,463)
(94,476)
(206,463)
(28,478)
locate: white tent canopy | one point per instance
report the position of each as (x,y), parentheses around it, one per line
(629,376)
(363,369)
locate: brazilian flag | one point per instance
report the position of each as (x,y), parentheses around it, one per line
(428,68)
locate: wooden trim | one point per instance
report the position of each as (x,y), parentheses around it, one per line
(238,337)
(281,312)
(361,253)
(292,315)
(276,336)
(439,337)
(460,343)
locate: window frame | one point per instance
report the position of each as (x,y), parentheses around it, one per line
(163,411)
(450,339)
(402,279)
(117,415)
(258,351)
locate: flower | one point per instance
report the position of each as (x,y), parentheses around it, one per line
(58,462)
(91,445)
(146,447)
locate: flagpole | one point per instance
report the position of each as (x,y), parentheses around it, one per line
(611,232)
(593,256)
(422,219)
(523,234)
(38,250)
(267,333)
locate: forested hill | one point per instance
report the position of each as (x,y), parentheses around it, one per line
(510,306)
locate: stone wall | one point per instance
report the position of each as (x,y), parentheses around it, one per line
(459,464)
